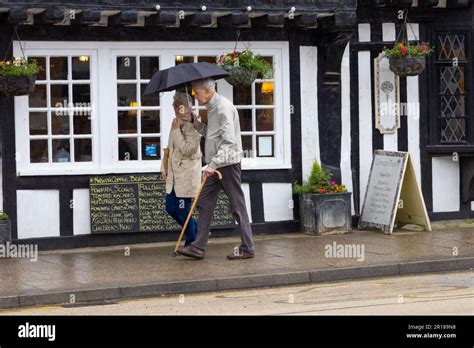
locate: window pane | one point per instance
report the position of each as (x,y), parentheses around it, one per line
(82,123)
(150,148)
(37,99)
(148,66)
(38,123)
(127,149)
(58,68)
(453,105)
(453,130)
(126,68)
(83,150)
(183,59)
(148,100)
(41,62)
(59,122)
(247,145)
(245,117)
(265,146)
(59,96)
(452,79)
(61,150)
(127,121)
(150,121)
(38,151)
(126,94)
(81,95)
(80,68)
(208,59)
(242,95)
(264,120)
(264,93)
(450,46)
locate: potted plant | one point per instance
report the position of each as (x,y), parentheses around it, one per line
(244,67)
(406,59)
(18,76)
(5,228)
(325,206)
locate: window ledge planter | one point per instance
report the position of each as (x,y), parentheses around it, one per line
(328,213)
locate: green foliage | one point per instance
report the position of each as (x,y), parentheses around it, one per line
(319,181)
(19,67)
(3,215)
(402,50)
(248,60)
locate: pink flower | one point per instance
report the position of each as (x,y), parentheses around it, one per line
(333,183)
(322,191)
(423,48)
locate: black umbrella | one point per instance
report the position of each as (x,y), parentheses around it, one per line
(180,75)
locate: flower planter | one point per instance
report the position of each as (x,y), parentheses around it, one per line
(408,66)
(322,214)
(240,77)
(16,86)
(5,231)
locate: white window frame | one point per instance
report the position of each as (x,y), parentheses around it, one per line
(104,125)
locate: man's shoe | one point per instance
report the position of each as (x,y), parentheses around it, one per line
(192,251)
(241,255)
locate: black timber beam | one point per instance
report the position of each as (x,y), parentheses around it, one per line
(162,18)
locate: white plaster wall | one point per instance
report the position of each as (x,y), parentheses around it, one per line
(38,213)
(277,200)
(81,212)
(346,172)
(309,108)
(446,184)
(246,189)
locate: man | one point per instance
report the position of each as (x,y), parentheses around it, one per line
(223,151)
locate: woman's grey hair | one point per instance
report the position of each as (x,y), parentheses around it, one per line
(183,99)
(207,83)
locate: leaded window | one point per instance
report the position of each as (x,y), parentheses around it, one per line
(451,67)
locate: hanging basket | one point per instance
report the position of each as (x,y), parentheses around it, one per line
(407,66)
(240,77)
(16,86)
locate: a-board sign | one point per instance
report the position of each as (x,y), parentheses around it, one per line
(136,203)
(393,194)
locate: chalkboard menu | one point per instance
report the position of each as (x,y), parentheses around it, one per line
(136,203)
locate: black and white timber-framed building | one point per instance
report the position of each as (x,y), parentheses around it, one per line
(321,104)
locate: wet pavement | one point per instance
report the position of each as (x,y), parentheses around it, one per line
(280,259)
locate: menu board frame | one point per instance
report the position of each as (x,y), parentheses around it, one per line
(133,213)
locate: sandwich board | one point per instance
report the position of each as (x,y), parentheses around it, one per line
(393,194)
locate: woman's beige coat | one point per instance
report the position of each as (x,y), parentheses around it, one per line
(184,164)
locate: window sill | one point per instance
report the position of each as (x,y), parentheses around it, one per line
(447,150)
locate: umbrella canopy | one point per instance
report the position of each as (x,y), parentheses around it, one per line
(180,75)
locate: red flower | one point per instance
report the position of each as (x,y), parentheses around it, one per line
(322,191)
(404,50)
(423,48)
(333,183)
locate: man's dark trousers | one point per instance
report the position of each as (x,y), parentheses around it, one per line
(231,184)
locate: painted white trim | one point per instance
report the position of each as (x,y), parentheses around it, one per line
(388,32)
(81,212)
(346,164)
(413,123)
(365,121)
(446,183)
(309,108)
(104,159)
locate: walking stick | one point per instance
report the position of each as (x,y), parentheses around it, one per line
(191,213)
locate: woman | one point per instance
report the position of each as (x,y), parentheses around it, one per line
(183,174)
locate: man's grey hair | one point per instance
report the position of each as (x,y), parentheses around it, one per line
(183,99)
(207,83)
